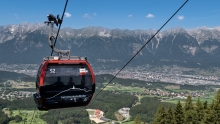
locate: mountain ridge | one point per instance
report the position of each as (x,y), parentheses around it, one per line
(28,43)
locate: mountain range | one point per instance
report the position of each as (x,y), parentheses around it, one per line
(111,48)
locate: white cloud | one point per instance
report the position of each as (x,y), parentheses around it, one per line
(86,15)
(94,14)
(180,17)
(129,15)
(150,16)
(67,14)
(16,16)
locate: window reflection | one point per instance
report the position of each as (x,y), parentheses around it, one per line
(68,75)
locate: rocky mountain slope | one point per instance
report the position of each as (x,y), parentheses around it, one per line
(28,43)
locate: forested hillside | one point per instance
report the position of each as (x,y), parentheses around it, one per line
(189,113)
(141,97)
(6,75)
(110,103)
(147,108)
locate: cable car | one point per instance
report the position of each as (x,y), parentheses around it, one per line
(64,82)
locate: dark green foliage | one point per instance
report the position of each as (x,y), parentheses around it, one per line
(67,116)
(106,101)
(3,118)
(164,117)
(188,104)
(217,107)
(6,75)
(193,87)
(110,102)
(147,109)
(18,118)
(26,103)
(198,113)
(217,97)
(190,113)
(190,116)
(209,117)
(169,119)
(150,99)
(26,89)
(4,103)
(160,116)
(137,120)
(212,105)
(179,113)
(205,105)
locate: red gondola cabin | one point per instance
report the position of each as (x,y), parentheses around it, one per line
(62,82)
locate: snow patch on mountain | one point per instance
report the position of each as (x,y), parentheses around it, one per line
(189,49)
(202,34)
(158,37)
(210,49)
(104,34)
(172,31)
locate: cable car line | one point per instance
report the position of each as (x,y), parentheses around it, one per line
(75,71)
(73,67)
(47,66)
(141,49)
(59,26)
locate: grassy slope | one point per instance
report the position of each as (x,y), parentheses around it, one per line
(27,115)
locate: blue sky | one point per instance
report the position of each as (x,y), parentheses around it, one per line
(122,14)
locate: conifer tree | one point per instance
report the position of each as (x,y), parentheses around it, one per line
(217,107)
(190,114)
(205,105)
(199,110)
(179,114)
(160,116)
(210,117)
(137,120)
(205,111)
(188,103)
(217,97)
(212,105)
(170,116)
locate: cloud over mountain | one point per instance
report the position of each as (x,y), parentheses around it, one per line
(67,14)
(150,16)
(180,17)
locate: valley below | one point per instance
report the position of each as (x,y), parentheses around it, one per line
(175,64)
(158,84)
(150,73)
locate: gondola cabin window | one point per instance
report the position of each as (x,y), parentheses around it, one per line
(68,75)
